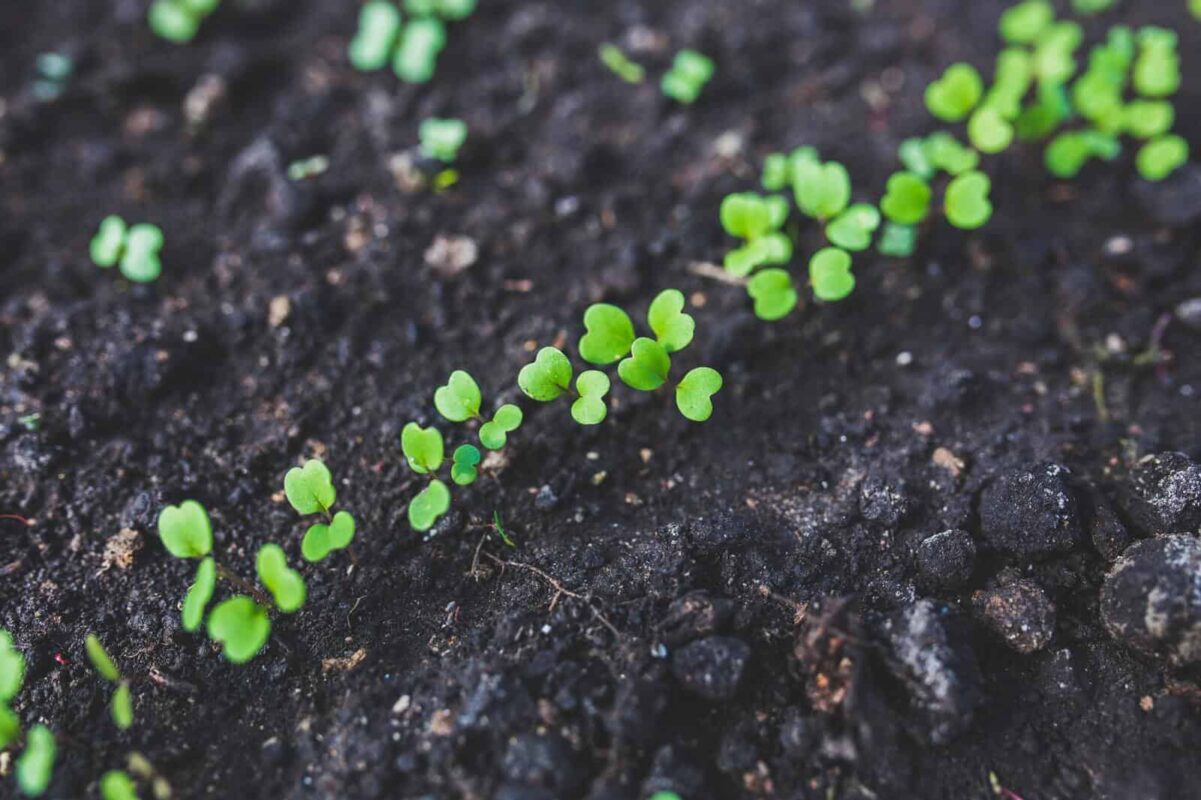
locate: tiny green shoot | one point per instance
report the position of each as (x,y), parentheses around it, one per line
(822,190)
(310,490)
(36,764)
(494,433)
(620,64)
(422,447)
(1162,156)
(430,503)
(122,702)
(547,377)
(609,333)
(694,394)
(967,200)
(772,293)
(285,584)
(853,228)
(646,367)
(241,626)
(953,96)
(442,138)
(589,408)
(465,460)
(906,199)
(133,249)
(117,785)
(185,530)
(830,274)
(178,20)
(1025,22)
(689,73)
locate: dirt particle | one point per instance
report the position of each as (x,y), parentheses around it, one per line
(946,560)
(1018,611)
(344,663)
(1151,600)
(120,549)
(947,460)
(1030,512)
(711,667)
(449,256)
(278,310)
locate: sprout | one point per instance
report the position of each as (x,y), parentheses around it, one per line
(779,169)
(241,626)
(459,400)
(413,48)
(310,490)
(12,669)
(1026,21)
(447,9)
(100,659)
(285,584)
(694,394)
(1054,60)
(185,530)
(442,138)
(1042,117)
(1146,119)
(621,66)
(1162,156)
(494,433)
(117,785)
(306,168)
(822,190)
(945,152)
(773,294)
(464,462)
(199,594)
(135,250)
(689,73)
(589,408)
(548,377)
(756,219)
(906,200)
(673,328)
(608,334)
(379,30)
(178,20)
(430,503)
(422,447)
(1092,6)
(853,228)
(1070,151)
(646,368)
(1157,68)
(36,764)
(898,241)
(830,274)
(1011,81)
(953,96)
(122,703)
(988,131)
(967,203)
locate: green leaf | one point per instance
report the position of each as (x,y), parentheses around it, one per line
(1068,152)
(12,668)
(898,241)
(988,131)
(116,785)
(547,377)
(913,155)
(1157,69)
(830,274)
(341,530)
(379,29)
(694,394)
(777,172)
(456,10)
(122,707)
(1146,119)
(140,262)
(442,138)
(1054,63)
(646,368)
(185,530)
(172,21)
(459,400)
(609,334)
(416,56)
(466,458)
(773,294)
(673,328)
(1045,115)
(953,96)
(310,488)
(109,241)
(946,153)
(285,584)
(1026,21)
(967,203)
(853,228)
(10,726)
(422,447)
(432,502)
(907,199)
(592,386)
(620,65)
(322,539)
(199,594)
(100,659)
(1162,156)
(494,434)
(822,190)
(689,73)
(36,765)
(747,215)
(241,626)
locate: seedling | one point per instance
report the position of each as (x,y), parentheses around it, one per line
(35,765)
(620,65)
(822,190)
(779,169)
(308,168)
(241,626)
(454,10)
(117,785)
(1157,68)
(853,228)
(121,708)
(1026,21)
(757,220)
(589,408)
(411,48)
(989,131)
(967,202)
(898,241)
(285,584)
(1092,6)
(494,434)
(134,250)
(1161,156)
(646,367)
(830,274)
(694,394)
(907,200)
(465,460)
(442,138)
(689,73)
(430,503)
(773,294)
(310,490)
(1070,151)
(953,96)
(178,20)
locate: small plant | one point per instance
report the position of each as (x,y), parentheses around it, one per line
(442,138)
(310,490)
(412,47)
(620,65)
(178,20)
(1162,156)
(54,70)
(35,765)
(967,200)
(121,708)
(757,221)
(120,785)
(822,190)
(689,73)
(830,274)
(133,249)
(953,96)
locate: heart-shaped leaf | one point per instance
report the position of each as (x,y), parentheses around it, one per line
(199,594)
(1025,22)
(10,726)
(430,503)
(494,434)
(967,203)
(185,530)
(101,660)
(673,328)
(948,154)
(341,530)
(590,408)
(241,626)
(898,241)
(774,248)
(988,131)
(173,21)
(422,447)
(773,293)
(109,241)
(746,215)
(1162,156)
(140,262)
(1145,119)
(466,458)
(122,707)
(694,394)
(853,228)
(907,199)
(321,539)
(459,400)
(379,28)
(830,274)
(646,367)
(442,138)
(548,377)
(310,488)
(953,96)
(822,190)
(117,785)
(913,155)
(416,55)
(285,584)
(12,668)
(36,764)
(609,334)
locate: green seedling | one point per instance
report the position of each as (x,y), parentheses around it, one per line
(36,764)
(12,676)
(424,450)
(454,10)
(421,41)
(499,527)
(382,37)
(830,274)
(898,241)
(853,229)
(121,708)
(285,584)
(133,249)
(117,785)
(689,73)
(1194,8)
(442,138)
(1068,152)
(589,408)
(1011,82)
(308,168)
(310,490)
(495,433)
(953,96)
(779,169)
(1162,156)
(757,220)
(178,20)
(1054,53)
(200,593)
(1040,119)
(967,200)
(375,42)
(1025,22)
(907,199)
(694,394)
(989,131)
(773,294)
(422,447)
(459,400)
(548,377)
(430,503)
(185,530)
(609,333)
(466,459)
(947,154)
(620,65)
(1146,119)
(822,190)
(673,328)
(646,367)
(1088,7)
(241,626)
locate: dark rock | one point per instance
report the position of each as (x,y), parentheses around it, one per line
(1151,600)
(1109,535)
(945,560)
(544,762)
(799,733)
(711,667)
(1189,312)
(1030,512)
(1164,494)
(692,616)
(1174,202)
(1018,611)
(546,499)
(931,655)
(1058,675)
(882,502)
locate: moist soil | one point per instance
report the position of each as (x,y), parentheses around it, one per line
(744,608)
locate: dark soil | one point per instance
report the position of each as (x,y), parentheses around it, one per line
(740,609)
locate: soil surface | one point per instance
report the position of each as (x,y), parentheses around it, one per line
(878,572)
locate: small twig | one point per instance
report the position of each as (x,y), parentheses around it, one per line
(162,679)
(708,270)
(243,585)
(474,571)
(560,590)
(349,626)
(28,523)
(1099,401)
(799,610)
